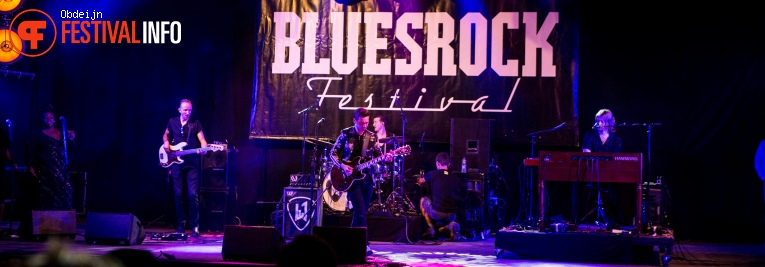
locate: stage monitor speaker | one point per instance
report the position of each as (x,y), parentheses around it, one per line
(113,229)
(212,210)
(302,209)
(251,243)
(54,223)
(350,243)
(471,139)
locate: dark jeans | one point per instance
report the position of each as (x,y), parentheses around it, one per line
(360,195)
(437,218)
(186,180)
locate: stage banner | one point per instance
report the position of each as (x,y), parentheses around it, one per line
(420,63)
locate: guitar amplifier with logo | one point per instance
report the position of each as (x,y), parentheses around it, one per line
(302,210)
(303,180)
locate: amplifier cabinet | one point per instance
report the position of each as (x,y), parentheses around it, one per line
(302,209)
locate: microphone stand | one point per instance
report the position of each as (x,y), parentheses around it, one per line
(398,193)
(313,207)
(64,136)
(534,135)
(649,129)
(13,177)
(529,182)
(402,176)
(304,112)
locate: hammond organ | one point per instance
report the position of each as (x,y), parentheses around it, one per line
(590,167)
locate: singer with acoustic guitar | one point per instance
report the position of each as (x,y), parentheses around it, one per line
(185,174)
(356,144)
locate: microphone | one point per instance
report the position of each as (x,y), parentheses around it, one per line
(8,121)
(62,119)
(595,126)
(320,121)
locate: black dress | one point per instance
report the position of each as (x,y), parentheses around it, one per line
(52,186)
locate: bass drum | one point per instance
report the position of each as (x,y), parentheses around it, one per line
(335,199)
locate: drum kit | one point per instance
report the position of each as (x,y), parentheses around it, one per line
(388,184)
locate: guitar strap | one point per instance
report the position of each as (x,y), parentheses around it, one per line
(364,146)
(188,136)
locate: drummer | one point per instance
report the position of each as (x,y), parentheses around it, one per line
(379,123)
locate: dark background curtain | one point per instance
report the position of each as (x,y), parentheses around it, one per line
(696,68)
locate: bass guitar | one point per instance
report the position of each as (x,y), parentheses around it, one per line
(341,181)
(174,156)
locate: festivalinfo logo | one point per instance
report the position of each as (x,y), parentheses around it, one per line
(39,32)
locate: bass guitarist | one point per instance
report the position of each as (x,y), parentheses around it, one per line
(354,142)
(186,174)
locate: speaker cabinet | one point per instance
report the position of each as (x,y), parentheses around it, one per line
(217,169)
(302,208)
(655,211)
(476,212)
(214,179)
(218,175)
(350,243)
(470,138)
(251,243)
(113,229)
(54,223)
(212,210)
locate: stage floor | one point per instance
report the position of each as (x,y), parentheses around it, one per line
(206,251)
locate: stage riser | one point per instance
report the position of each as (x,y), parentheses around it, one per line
(582,247)
(389,229)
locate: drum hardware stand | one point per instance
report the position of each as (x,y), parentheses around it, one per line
(377,205)
(397,202)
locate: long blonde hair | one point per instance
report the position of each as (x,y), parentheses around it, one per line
(608,117)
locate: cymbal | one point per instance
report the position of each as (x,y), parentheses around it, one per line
(318,142)
(393,140)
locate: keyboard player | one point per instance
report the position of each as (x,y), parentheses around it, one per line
(603,138)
